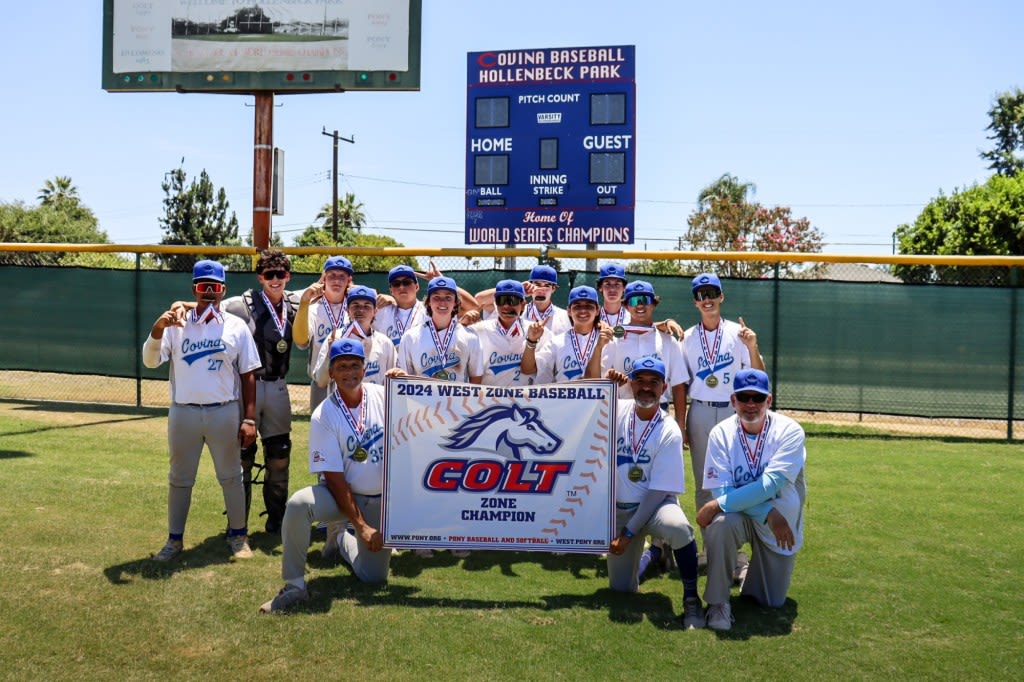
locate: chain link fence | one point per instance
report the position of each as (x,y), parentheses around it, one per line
(847,341)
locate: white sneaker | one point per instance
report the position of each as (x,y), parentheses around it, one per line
(719,616)
(168,551)
(288,596)
(240,547)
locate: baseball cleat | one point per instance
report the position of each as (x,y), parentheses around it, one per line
(287,597)
(168,551)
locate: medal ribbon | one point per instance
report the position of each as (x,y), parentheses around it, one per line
(637,329)
(583,358)
(753,457)
(517,327)
(357,426)
(711,353)
(399,324)
(335,323)
(279,323)
(635,447)
(533,314)
(354,330)
(619,317)
(442,350)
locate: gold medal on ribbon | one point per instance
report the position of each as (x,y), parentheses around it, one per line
(360,454)
(443,375)
(711,380)
(618,331)
(282,346)
(636,474)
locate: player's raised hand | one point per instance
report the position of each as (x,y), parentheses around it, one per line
(605,333)
(314,291)
(528,288)
(430,273)
(535,331)
(470,318)
(672,327)
(747,335)
(618,377)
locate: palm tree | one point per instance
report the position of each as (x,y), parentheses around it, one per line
(350,213)
(57,191)
(726,187)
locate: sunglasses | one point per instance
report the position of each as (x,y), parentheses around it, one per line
(706,294)
(404,282)
(751,398)
(507,299)
(639,299)
(208,287)
(274,274)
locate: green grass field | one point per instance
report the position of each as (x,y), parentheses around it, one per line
(910,571)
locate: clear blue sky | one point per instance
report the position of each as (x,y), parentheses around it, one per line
(853,114)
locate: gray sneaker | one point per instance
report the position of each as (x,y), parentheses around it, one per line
(168,552)
(288,596)
(720,616)
(239,547)
(693,614)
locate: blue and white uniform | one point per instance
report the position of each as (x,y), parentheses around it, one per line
(502,353)
(557,361)
(643,341)
(394,322)
(418,353)
(380,357)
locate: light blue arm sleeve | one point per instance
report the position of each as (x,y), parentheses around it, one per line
(755,493)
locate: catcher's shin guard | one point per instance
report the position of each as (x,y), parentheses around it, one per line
(277,455)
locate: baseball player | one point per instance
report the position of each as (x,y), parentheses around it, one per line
(503,339)
(269,312)
(346,450)
(213,357)
(540,288)
(380,351)
(755,474)
(575,354)
(408,312)
(611,282)
(649,478)
(639,338)
(321,311)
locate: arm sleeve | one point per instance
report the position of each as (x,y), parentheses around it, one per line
(652,500)
(151,352)
(760,490)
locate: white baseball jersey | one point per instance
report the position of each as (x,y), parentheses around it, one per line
(417,354)
(333,441)
(731,357)
(659,460)
(502,353)
(393,321)
(320,325)
(380,357)
(206,355)
(620,318)
(557,322)
(620,354)
(735,459)
(557,360)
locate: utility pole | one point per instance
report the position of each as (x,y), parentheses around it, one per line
(334,179)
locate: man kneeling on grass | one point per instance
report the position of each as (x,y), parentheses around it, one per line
(346,449)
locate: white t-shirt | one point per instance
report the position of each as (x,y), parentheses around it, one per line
(393,321)
(502,353)
(206,355)
(557,360)
(380,357)
(732,356)
(333,442)
(729,463)
(620,354)
(417,354)
(660,459)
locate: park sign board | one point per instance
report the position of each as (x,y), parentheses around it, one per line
(551,146)
(261,45)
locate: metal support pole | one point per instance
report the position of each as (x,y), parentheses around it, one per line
(262,169)
(138,332)
(1012,373)
(775,336)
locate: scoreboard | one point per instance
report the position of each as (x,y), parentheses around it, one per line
(551,146)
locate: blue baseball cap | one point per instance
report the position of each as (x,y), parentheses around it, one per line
(339,263)
(544,273)
(751,380)
(639,288)
(583,293)
(347,347)
(611,271)
(648,363)
(442,284)
(400,271)
(510,287)
(706,279)
(208,269)
(361,293)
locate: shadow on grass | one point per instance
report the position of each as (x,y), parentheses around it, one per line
(213,550)
(853,435)
(753,620)
(408,565)
(124,412)
(11,454)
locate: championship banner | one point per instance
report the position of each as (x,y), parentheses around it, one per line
(523,468)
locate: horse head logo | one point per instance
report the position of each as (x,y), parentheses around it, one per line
(505,430)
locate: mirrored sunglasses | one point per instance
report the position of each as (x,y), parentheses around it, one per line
(403,282)
(706,293)
(638,299)
(274,274)
(208,287)
(507,299)
(751,398)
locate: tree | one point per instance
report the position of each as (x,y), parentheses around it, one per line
(726,221)
(350,215)
(196,215)
(58,191)
(979,220)
(63,223)
(314,236)
(655,267)
(1007,126)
